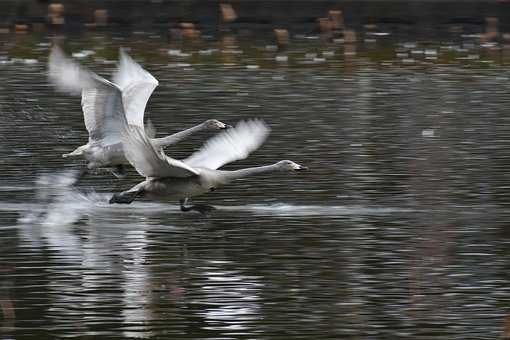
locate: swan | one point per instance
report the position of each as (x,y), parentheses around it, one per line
(105,104)
(197,174)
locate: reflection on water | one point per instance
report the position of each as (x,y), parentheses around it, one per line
(399,230)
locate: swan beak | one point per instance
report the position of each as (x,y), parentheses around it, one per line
(226,126)
(302,168)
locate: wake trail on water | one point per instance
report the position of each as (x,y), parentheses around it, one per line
(284,209)
(60,202)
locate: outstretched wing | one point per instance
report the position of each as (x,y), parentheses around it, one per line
(147,160)
(101,101)
(137,86)
(103,111)
(230,145)
(67,75)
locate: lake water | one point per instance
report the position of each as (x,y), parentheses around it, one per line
(400,229)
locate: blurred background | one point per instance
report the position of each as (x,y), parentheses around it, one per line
(425,18)
(400,229)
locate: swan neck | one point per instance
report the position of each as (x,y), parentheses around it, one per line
(252,171)
(177,137)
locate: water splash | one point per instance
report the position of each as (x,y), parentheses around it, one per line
(58,200)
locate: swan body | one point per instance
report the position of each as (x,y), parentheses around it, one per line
(100,155)
(198,174)
(109,106)
(208,180)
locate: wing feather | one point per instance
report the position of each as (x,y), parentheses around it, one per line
(103,109)
(230,145)
(137,86)
(67,75)
(147,160)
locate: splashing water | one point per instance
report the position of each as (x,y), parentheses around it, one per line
(59,202)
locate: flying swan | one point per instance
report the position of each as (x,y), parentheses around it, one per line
(106,104)
(197,174)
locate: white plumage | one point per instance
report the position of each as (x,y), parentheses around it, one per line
(198,174)
(101,101)
(148,161)
(230,145)
(108,107)
(103,112)
(137,86)
(67,75)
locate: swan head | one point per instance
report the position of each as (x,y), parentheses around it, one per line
(287,165)
(214,124)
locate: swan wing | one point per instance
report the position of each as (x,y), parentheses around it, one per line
(101,100)
(137,86)
(230,145)
(65,74)
(103,111)
(148,161)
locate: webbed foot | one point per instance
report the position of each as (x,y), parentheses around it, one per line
(201,208)
(119,198)
(125,198)
(80,175)
(119,171)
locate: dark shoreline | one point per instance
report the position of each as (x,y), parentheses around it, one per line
(426,19)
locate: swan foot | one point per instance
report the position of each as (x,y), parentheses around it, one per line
(119,171)
(80,175)
(124,198)
(120,199)
(201,208)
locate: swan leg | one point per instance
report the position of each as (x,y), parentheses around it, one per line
(201,208)
(183,207)
(119,171)
(81,174)
(125,197)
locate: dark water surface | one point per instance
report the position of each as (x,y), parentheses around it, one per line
(399,231)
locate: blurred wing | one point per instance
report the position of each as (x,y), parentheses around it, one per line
(103,111)
(230,145)
(147,161)
(101,100)
(137,86)
(65,74)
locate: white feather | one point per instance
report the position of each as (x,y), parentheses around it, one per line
(147,160)
(137,86)
(230,145)
(103,112)
(103,109)
(65,74)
